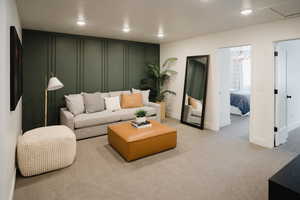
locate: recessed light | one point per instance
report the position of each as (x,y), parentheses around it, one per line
(126,29)
(246,12)
(80,23)
(160,35)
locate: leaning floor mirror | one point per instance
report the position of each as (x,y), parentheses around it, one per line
(195,88)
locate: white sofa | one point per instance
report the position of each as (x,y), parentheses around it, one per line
(87,125)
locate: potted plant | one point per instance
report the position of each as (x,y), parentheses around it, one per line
(157,78)
(140,116)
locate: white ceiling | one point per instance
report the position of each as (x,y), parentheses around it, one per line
(177,19)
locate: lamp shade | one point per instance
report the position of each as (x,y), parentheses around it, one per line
(54,84)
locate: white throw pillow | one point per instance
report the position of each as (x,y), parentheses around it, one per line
(75,104)
(112,103)
(145,94)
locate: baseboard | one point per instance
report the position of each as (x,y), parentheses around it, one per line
(210,126)
(173,115)
(12,189)
(227,123)
(207,124)
(261,142)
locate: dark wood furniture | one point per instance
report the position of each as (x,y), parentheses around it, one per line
(285,184)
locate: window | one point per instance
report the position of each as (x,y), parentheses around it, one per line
(240,68)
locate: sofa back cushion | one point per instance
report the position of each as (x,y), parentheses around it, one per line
(75,104)
(195,103)
(93,102)
(131,100)
(145,95)
(118,93)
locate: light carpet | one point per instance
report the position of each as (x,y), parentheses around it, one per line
(293,142)
(204,166)
(239,128)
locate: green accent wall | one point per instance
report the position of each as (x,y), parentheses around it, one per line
(83,64)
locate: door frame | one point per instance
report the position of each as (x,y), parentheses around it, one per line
(251,81)
(280,135)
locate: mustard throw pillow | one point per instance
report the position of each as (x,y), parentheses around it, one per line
(132,100)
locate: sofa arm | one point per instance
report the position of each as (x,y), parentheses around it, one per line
(66,118)
(157,107)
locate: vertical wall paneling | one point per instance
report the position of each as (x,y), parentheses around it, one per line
(83,64)
(115,65)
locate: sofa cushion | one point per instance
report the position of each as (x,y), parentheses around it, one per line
(195,103)
(118,93)
(128,113)
(93,102)
(145,94)
(104,94)
(197,113)
(104,117)
(75,103)
(98,118)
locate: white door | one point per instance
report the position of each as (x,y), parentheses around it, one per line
(280,99)
(293,84)
(288,84)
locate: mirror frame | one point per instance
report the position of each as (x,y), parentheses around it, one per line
(204,95)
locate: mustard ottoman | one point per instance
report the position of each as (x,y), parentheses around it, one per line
(134,143)
(45,149)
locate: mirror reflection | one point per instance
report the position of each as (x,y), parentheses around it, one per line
(194,99)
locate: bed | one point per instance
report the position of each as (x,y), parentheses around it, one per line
(240,102)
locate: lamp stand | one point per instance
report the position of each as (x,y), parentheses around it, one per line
(46,103)
(46,107)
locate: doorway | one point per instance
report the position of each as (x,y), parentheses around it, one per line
(235,91)
(287,95)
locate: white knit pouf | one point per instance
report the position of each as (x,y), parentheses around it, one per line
(45,149)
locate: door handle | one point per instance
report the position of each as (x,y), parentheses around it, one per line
(288,97)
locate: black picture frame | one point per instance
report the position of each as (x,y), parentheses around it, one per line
(16,71)
(204,95)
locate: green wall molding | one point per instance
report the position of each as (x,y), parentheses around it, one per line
(83,64)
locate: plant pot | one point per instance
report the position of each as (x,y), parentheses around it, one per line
(140,119)
(162,110)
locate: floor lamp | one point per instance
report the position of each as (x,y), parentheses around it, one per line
(53,84)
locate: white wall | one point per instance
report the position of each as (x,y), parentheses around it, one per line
(223,57)
(261,37)
(10,122)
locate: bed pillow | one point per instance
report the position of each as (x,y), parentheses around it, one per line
(112,103)
(131,100)
(93,102)
(145,94)
(75,104)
